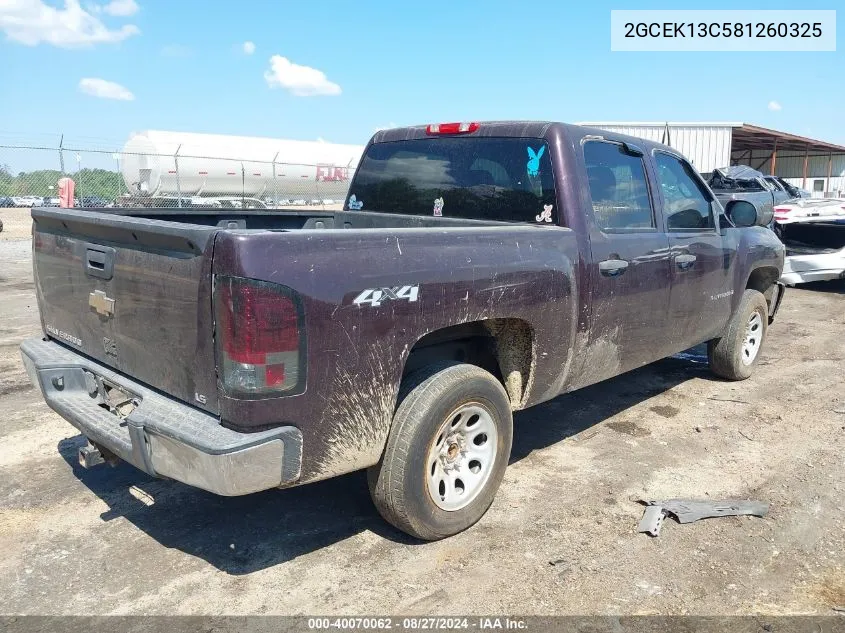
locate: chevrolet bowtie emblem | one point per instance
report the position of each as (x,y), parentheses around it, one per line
(101,303)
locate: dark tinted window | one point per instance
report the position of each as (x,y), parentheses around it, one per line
(685,203)
(618,187)
(507,179)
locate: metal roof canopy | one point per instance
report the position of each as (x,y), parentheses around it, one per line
(746,137)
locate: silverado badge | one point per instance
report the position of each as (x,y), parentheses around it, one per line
(101,303)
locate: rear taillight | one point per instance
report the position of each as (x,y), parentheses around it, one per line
(451,128)
(782,212)
(259,337)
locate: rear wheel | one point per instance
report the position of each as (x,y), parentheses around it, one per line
(734,355)
(447,451)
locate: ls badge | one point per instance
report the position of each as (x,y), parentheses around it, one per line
(101,303)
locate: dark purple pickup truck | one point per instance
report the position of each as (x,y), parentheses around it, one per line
(476,269)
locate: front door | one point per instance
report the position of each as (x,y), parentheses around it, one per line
(702,287)
(629,272)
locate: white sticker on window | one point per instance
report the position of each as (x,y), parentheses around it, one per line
(546,215)
(438,206)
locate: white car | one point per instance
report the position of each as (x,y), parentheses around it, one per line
(26,201)
(813,231)
(810,210)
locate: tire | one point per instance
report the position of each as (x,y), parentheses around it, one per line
(453,421)
(734,355)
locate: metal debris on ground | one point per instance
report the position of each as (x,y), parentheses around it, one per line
(652,520)
(688,511)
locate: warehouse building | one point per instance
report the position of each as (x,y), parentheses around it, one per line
(817,166)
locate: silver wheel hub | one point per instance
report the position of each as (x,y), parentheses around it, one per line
(461,457)
(753,338)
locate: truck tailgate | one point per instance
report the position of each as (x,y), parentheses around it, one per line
(132,293)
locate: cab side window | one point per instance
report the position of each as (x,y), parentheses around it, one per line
(686,205)
(618,187)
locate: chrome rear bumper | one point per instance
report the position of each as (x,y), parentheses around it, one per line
(160,435)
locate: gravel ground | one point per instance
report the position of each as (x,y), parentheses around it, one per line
(17,224)
(560,538)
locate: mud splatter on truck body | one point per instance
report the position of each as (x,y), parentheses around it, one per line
(530,300)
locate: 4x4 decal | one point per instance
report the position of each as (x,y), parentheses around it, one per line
(375,296)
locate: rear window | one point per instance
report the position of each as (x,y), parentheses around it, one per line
(487,178)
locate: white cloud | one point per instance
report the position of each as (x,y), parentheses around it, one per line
(300,81)
(249,48)
(774,106)
(31,22)
(105,89)
(121,8)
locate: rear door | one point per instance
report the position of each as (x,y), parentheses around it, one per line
(701,260)
(131,293)
(630,274)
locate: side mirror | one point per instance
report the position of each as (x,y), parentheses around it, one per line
(742,213)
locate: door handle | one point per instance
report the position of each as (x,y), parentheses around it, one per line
(99,262)
(613,267)
(685,262)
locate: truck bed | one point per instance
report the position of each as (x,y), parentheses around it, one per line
(292,219)
(133,289)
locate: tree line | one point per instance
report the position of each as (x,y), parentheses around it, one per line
(89,182)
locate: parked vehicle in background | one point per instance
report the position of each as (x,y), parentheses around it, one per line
(94,202)
(27,201)
(6,201)
(527,260)
(740,182)
(810,210)
(815,251)
(780,192)
(813,231)
(792,190)
(50,202)
(237,202)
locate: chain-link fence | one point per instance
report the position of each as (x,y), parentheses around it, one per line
(29,177)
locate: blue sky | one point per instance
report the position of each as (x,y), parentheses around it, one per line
(392,63)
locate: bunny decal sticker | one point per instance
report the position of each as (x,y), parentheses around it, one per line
(534,160)
(438,206)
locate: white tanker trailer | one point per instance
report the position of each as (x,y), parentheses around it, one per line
(155,163)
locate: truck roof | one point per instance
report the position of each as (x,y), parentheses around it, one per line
(530,129)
